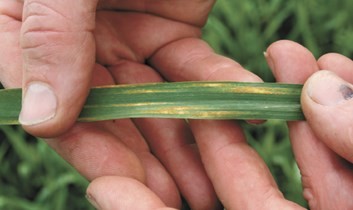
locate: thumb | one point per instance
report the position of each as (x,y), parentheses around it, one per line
(328,106)
(114,192)
(58,53)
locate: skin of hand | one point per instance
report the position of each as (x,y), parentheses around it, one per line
(321,144)
(114,42)
(55,50)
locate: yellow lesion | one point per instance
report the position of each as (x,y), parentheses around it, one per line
(217,115)
(147,91)
(226,87)
(137,104)
(172,110)
(194,112)
(221,87)
(261,90)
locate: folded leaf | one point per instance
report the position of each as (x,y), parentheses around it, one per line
(187,100)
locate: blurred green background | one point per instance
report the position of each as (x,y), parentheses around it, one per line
(32,176)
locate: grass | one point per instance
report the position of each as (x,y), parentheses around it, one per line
(32,176)
(243,30)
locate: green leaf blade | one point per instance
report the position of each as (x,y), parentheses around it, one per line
(186,100)
(10,106)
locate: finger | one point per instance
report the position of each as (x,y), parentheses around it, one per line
(327,101)
(120,152)
(172,146)
(193,12)
(172,142)
(192,59)
(120,193)
(10,52)
(319,166)
(239,175)
(157,177)
(93,150)
(285,64)
(341,65)
(58,53)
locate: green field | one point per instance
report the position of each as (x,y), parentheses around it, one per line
(32,176)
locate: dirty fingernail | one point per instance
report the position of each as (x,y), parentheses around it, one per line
(326,88)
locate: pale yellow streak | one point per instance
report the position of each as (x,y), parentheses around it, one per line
(255,90)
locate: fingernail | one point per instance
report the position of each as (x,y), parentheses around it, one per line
(269,60)
(326,88)
(92,201)
(39,104)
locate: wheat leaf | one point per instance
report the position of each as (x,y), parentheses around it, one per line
(187,100)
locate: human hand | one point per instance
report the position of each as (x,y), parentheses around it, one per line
(56,50)
(114,153)
(52,49)
(322,145)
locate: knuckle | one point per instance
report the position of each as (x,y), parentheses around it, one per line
(57,16)
(40,26)
(40,16)
(49,30)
